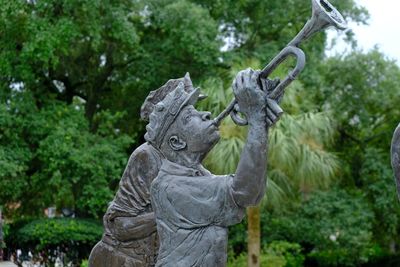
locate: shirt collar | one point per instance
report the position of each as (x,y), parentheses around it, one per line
(177,169)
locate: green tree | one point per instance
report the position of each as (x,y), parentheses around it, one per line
(361,90)
(66,48)
(362,93)
(334,227)
(109,53)
(49,157)
(380,190)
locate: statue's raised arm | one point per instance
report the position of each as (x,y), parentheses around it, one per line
(249,183)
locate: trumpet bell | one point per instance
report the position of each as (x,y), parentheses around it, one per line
(326,11)
(324,14)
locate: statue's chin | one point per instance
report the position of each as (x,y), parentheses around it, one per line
(215,139)
(208,144)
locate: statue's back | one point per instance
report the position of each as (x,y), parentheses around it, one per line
(130,237)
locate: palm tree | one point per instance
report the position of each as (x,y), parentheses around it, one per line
(297,158)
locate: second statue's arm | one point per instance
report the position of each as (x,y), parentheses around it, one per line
(131,228)
(395,155)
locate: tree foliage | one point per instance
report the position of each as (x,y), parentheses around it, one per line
(109,53)
(361,90)
(378,187)
(275,254)
(334,227)
(49,157)
(55,232)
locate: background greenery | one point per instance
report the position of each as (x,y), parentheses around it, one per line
(73,75)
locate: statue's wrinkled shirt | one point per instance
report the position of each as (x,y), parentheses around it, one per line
(193,209)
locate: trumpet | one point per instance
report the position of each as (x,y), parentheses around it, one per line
(324,14)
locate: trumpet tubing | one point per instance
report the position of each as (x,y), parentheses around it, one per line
(324,14)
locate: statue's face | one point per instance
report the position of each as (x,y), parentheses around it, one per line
(197,129)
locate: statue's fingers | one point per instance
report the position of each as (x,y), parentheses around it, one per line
(271,115)
(263,83)
(239,80)
(269,122)
(254,78)
(274,107)
(234,85)
(247,76)
(275,82)
(236,107)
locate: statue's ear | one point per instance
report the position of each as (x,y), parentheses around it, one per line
(176,143)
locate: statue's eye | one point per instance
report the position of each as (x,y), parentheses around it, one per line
(187,118)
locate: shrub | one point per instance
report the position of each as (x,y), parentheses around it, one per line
(63,231)
(71,237)
(291,253)
(84,263)
(334,228)
(275,254)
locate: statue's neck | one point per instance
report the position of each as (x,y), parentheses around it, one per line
(185,157)
(190,160)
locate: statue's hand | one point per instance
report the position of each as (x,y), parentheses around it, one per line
(251,99)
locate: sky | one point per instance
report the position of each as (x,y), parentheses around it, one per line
(383,29)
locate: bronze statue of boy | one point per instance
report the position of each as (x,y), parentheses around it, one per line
(192,207)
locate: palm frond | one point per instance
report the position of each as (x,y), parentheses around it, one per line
(274,195)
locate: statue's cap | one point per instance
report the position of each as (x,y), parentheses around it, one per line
(158,95)
(164,113)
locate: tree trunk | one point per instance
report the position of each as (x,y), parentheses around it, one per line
(253,237)
(392,247)
(90,108)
